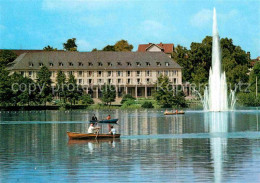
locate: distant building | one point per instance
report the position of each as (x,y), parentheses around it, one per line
(161,47)
(254,61)
(132,73)
(19,52)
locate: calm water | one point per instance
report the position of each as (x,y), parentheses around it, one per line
(195,147)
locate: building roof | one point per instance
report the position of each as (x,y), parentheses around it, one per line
(98,60)
(166,48)
(19,52)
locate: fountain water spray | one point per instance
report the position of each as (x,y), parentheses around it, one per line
(216,97)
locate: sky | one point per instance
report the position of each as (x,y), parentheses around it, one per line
(34,24)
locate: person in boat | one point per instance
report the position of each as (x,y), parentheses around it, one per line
(108,117)
(94,118)
(112,131)
(92,129)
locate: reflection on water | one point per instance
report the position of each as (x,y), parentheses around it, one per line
(195,147)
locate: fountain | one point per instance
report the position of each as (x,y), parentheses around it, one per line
(216,97)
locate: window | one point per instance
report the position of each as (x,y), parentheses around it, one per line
(167,64)
(119,63)
(109,73)
(129,64)
(60,64)
(148,73)
(51,64)
(90,81)
(100,64)
(128,73)
(148,64)
(138,73)
(40,64)
(70,72)
(22,73)
(80,73)
(118,73)
(148,81)
(80,81)
(99,81)
(166,73)
(99,73)
(70,64)
(174,80)
(128,81)
(158,63)
(138,63)
(90,64)
(109,81)
(174,73)
(80,64)
(109,64)
(30,64)
(90,73)
(138,81)
(159,73)
(119,81)
(30,73)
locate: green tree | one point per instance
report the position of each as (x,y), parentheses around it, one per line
(6,57)
(70,45)
(109,48)
(49,48)
(108,94)
(127,97)
(164,92)
(86,99)
(255,73)
(28,94)
(123,45)
(6,92)
(72,91)
(94,49)
(44,92)
(61,81)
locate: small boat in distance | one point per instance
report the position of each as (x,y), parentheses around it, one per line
(173,113)
(75,135)
(105,121)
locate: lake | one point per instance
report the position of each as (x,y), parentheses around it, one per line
(196,147)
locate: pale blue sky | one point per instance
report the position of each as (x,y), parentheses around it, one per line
(33,24)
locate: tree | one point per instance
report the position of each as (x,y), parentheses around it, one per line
(6,92)
(94,49)
(28,94)
(255,73)
(44,92)
(73,93)
(49,48)
(86,99)
(70,45)
(127,97)
(109,48)
(61,81)
(123,45)
(108,94)
(6,57)
(164,92)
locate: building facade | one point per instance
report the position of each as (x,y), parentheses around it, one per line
(132,73)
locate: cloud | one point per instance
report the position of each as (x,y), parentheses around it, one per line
(202,18)
(83,45)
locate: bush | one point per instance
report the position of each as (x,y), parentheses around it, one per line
(87,100)
(248,99)
(126,98)
(63,106)
(147,105)
(130,104)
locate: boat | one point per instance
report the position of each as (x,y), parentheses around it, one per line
(75,135)
(94,141)
(174,113)
(105,121)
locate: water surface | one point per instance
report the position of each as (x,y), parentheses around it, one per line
(195,147)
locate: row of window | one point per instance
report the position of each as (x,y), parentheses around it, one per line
(80,64)
(111,73)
